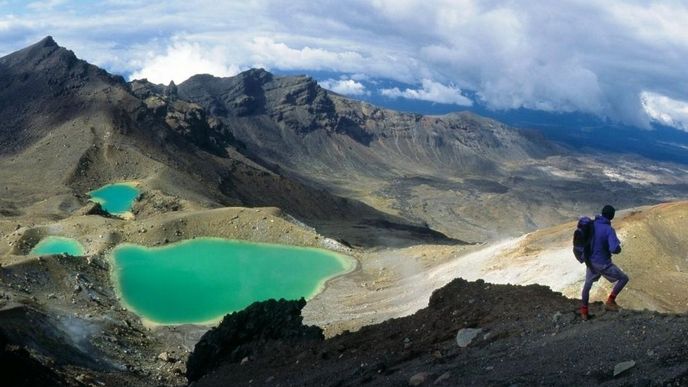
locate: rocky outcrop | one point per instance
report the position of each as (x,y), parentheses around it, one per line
(92,208)
(245,334)
(296,104)
(240,96)
(186,119)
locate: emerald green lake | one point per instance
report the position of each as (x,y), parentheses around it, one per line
(201,280)
(116,199)
(58,245)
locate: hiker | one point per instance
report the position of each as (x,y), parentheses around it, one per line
(604,243)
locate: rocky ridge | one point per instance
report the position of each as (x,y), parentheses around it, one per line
(471,333)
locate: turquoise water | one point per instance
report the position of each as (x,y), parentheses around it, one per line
(58,245)
(116,199)
(203,279)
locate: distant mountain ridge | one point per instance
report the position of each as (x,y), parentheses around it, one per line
(580,131)
(298,106)
(443,170)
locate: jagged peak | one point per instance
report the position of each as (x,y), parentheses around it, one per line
(251,79)
(254,75)
(41,49)
(261,72)
(259,75)
(51,60)
(248,74)
(48,41)
(171,90)
(200,77)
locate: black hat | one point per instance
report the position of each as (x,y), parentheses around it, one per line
(608,212)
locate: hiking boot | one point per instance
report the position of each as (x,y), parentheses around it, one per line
(611,306)
(584,314)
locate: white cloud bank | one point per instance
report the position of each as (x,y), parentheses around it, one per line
(345,86)
(595,57)
(431,91)
(181,61)
(665,110)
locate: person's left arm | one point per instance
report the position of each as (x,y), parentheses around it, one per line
(614,242)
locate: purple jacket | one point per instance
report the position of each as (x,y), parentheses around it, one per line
(604,242)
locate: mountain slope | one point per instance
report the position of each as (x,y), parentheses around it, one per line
(653,255)
(72,127)
(296,112)
(394,283)
(42,86)
(464,175)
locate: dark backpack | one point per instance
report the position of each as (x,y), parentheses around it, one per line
(582,239)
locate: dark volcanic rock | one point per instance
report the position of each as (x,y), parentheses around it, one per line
(33,345)
(50,337)
(519,344)
(245,333)
(242,95)
(186,119)
(93,208)
(46,81)
(143,89)
(295,104)
(18,368)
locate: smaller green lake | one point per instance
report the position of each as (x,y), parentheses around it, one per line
(58,245)
(201,280)
(117,199)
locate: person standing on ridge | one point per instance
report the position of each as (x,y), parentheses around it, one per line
(604,243)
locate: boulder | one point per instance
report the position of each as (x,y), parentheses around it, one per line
(166,357)
(418,379)
(466,335)
(623,367)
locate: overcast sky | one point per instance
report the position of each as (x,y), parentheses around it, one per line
(624,60)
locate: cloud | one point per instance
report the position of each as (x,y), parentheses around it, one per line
(345,86)
(266,50)
(181,61)
(45,5)
(431,91)
(665,110)
(569,55)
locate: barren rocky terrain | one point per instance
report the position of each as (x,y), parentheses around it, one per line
(471,333)
(416,200)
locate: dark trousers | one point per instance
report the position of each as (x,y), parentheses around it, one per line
(611,273)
